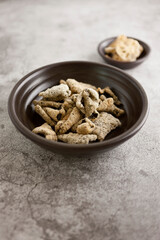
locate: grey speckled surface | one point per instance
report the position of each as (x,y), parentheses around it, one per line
(115,196)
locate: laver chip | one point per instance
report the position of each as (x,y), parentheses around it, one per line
(77,113)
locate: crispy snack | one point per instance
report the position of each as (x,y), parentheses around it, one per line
(55,114)
(75,138)
(62,81)
(104,124)
(65,125)
(59,125)
(44,115)
(67,114)
(81,116)
(78,87)
(107,105)
(68,103)
(44,103)
(107,92)
(128,49)
(88,101)
(85,127)
(111,52)
(124,49)
(56,93)
(61,122)
(47,131)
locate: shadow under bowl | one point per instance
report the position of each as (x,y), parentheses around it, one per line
(129,91)
(123,65)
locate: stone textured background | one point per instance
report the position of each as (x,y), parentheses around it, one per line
(43,196)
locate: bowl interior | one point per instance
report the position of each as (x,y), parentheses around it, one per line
(97,74)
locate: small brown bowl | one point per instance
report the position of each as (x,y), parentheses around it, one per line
(123,65)
(129,91)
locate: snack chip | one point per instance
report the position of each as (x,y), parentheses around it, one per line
(73,118)
(107,105)
(107,92)
(68,103)
(84,126)
(78,87)
(44,115)
(77,113)
(88,101)
(47,131)
(56,93)
(75,138)
(104,124)
(55,114)
(124,49)
(44,103)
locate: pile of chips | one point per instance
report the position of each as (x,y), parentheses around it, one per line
(77,113)
(124,49)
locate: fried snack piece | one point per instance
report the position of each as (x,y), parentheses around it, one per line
(59,125)
(78,87)
(56,93)
(111,53)
(124,49)
(62,81)
(68,103)
(109,93)
(67,114)
(44,103)
(75,138)
(85,127)
(107,105)
(47,131)
(128,49)
(55,114)
(64,125)
(44,115)
(87,101)
(102,98)
(104,124)
(83,111)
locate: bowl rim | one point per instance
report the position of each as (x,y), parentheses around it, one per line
(108,143)
(139,60)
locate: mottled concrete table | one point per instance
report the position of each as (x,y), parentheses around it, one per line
(115,196)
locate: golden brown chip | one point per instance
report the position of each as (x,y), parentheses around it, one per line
(55,114)
(47,131)
(44,115)
(75,138)
(84,126)
(68,103)
(107,105)
(83,111)
(78,87)
(73,118)
(62,81)
(109,93)
(124,49)
(129,49)
(44,103)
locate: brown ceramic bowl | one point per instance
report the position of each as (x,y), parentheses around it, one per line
(129,91)
(124,65)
